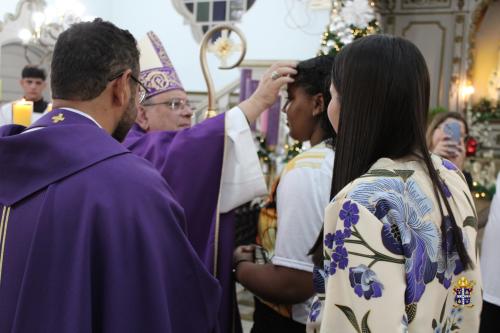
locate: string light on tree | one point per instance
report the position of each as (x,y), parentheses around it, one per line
(349,20)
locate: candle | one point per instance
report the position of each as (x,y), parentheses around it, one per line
(21,112)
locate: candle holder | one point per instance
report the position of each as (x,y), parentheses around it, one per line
(22,112)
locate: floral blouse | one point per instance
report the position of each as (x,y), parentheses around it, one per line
(386,267)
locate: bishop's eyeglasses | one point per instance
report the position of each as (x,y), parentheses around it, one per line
(173,104)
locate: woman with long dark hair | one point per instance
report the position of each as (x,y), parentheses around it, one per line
(399,241)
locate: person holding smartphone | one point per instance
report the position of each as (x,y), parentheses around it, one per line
(446,136)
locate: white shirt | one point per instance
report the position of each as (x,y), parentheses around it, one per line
(302,196)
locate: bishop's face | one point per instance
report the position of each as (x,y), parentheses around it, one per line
(168,111)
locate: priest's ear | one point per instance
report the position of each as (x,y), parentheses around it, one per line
(142,118)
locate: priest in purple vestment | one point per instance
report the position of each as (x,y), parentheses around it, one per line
(212,167)
(91,237)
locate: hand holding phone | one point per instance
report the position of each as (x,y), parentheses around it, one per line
(452,129)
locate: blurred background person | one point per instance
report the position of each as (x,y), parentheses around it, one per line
(33,84)
(446,136)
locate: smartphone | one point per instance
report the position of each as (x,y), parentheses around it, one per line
(452,129)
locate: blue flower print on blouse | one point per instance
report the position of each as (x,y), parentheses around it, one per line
(404,322)
(337,239)
(449,263)
(448,165)
(319,277)
(445,188)
(451,323)
(365,283)
(349,214)
(331,268)
(405,211)
(340,257)
(339,260)
(315,310)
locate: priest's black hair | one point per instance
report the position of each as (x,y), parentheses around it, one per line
(87,56)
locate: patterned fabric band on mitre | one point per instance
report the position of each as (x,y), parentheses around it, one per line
(159,80)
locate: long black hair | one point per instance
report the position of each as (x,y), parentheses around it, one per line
(383,87)
(313,75)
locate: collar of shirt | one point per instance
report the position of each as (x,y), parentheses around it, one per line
(83,114)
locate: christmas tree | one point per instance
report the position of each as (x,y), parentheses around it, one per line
(349,20)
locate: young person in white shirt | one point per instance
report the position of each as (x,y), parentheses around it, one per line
(284,287)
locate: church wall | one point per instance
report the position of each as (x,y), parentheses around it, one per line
(486,51)
(271,28)
(268,26)
(439,29)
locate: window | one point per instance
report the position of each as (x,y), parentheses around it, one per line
(203,14)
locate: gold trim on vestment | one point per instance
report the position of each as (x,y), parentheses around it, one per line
(3,233)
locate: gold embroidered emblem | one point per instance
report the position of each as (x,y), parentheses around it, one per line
(58,118)
(463,292)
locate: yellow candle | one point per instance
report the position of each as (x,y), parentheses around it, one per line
(21,113)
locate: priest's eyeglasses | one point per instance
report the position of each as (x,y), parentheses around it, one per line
(143,90)
(173,104)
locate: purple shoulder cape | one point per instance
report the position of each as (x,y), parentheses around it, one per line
(93,241)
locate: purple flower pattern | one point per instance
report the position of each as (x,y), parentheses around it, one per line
(448,165)
(365,283)
(340,257)
(315,310)
(319,280)
(449,265)
(445,189)
(404,210)
(349,214)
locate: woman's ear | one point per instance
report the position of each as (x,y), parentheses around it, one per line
(319,104)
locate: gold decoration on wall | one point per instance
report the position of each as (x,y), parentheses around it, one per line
(223,47)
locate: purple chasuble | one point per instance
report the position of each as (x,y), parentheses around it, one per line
(91,238)
(191,161)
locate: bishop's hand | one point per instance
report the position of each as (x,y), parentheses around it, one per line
(276,76)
